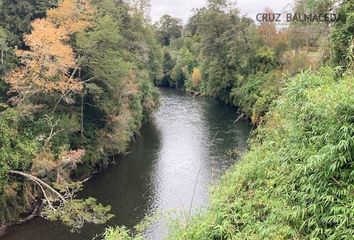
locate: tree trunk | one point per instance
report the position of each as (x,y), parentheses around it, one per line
(39,182)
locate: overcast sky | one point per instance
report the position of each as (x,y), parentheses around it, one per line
(183,8)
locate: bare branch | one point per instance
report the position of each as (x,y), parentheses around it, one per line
(40,183)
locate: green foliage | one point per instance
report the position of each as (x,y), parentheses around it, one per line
(7,61)
(16,16)
(343,35)
(121,59)
(76,212)
(295,181)
(179,75)
(17,144)
(17,148)
(256,93)
(295,62)
(149,97)
(168,29)
(120,233)
(168,65)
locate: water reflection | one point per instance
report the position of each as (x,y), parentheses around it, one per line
(187,136)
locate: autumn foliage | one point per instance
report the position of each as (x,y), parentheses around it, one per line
(73,15)
(50,64)
(196,78)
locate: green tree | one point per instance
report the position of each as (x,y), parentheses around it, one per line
(168,28)
(168,65)
(7,61)
(342,35)
(121,60)
(16,17)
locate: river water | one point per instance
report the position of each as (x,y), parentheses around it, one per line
(178,155)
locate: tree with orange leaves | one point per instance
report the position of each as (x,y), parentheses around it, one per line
(73,15)
(196,78)
(50,64)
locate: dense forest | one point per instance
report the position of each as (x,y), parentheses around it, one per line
(75,88)
(78,79)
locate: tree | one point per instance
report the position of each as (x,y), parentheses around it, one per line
(342,35)
(169,28)
(218,4)
(50,64)
(72,15)
(3,46)
(140,7)
(62,204)
(7,61)
(4,65)
(168,65)
(268,30)
(196,78)
(16,17)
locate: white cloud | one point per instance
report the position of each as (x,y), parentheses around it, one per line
(176,8)
(183,8)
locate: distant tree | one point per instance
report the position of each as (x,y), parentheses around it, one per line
(268,30)
(140,7)
(342,35)
(168,65)
(169,28)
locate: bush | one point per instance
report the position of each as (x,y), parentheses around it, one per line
(255,94)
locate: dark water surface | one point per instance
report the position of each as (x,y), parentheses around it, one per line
(186,136)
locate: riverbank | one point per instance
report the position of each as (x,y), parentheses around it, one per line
(299,160)
(161,167)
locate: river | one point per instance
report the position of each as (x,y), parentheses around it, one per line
(178,155)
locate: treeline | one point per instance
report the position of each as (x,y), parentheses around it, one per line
(75,87)
(223,54)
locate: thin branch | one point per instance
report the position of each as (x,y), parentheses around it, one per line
(52,127)
(45,195)
(241,116)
